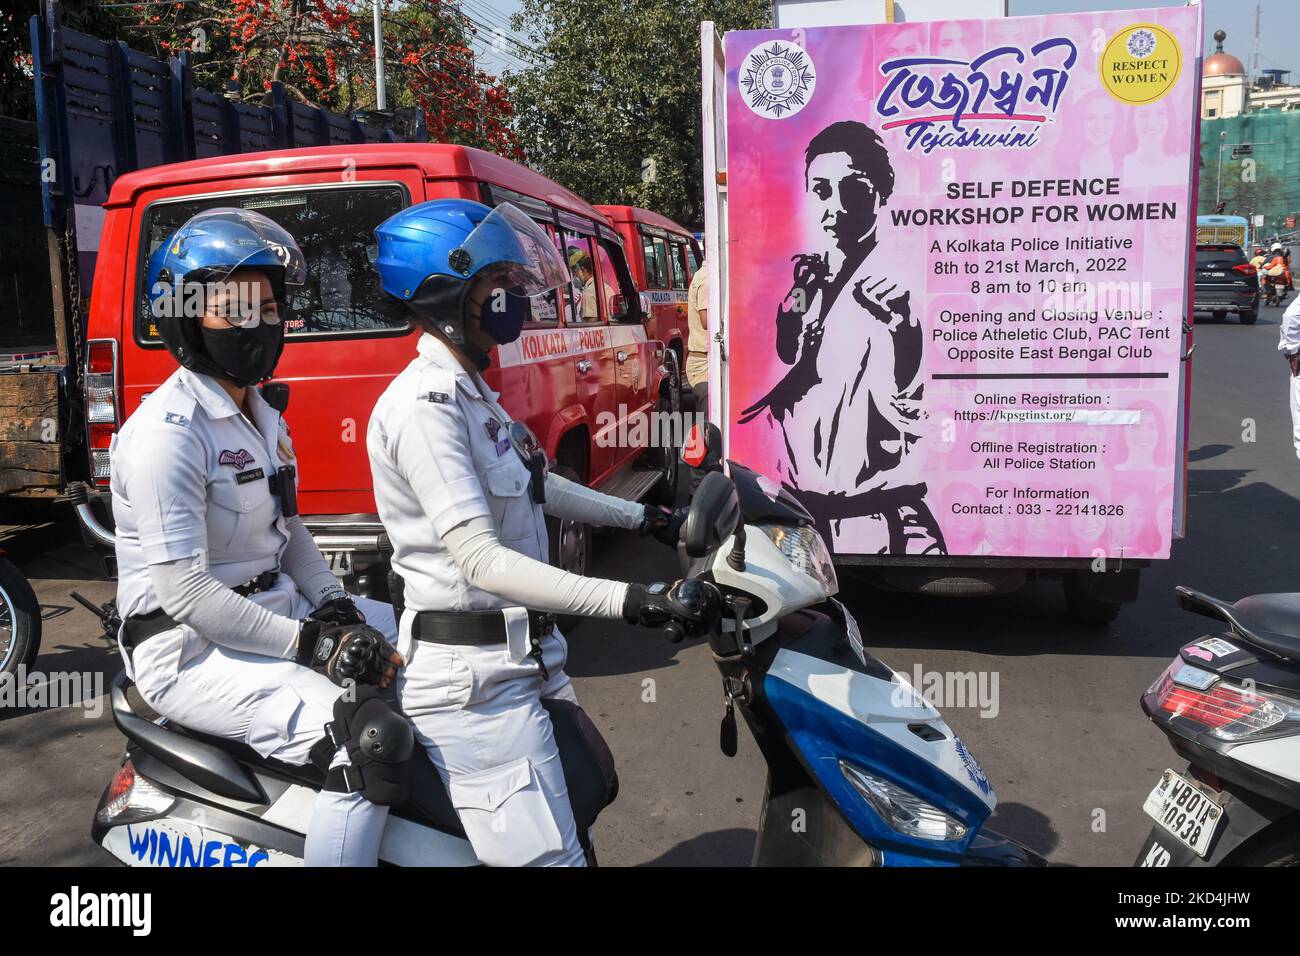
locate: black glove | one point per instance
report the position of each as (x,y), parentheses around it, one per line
(338,611)
(693,607)
(344,652)
(664,523)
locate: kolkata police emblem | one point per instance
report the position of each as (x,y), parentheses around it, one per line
(777,79)
(1141,43)
(973,768)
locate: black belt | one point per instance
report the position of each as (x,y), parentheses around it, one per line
(474,627)
(138,628)
(480,628)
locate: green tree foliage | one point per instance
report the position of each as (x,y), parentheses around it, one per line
(612,110)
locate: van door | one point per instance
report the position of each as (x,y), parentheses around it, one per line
(635,354)
(345,339)
(664,322)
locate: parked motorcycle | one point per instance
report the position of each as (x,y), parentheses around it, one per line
(1230,705)
(861,769)
(20,619)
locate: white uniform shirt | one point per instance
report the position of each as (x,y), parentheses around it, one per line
(190,480)
(1289,339)
(473,472)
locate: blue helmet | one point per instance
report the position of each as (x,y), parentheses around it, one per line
(208,248)
(429,253)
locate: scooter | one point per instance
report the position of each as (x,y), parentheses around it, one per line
(861,769)
(1230,705)
(1274,288)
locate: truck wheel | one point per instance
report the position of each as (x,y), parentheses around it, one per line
(20,619)
(664,491)
(570,547)
(1086,608)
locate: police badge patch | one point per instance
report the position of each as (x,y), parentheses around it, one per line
(777,79)
(239,458)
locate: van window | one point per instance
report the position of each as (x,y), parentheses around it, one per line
(621,297)
(656,262)
(691,259)
(678,262)
(579,253)
(335,228)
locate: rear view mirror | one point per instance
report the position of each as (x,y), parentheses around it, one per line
(714,515)
(703,447)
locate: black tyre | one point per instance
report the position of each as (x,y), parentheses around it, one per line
(570,547)
(1278,845)
(669,454)
(20,619)
(1249,318)
(1084,607)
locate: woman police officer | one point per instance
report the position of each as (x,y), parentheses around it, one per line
(462,492)
(234,624)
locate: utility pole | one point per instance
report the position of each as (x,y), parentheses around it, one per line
(1254,60)
(381,98)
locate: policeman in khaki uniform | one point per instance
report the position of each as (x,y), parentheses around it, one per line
(463,492)
(233,623)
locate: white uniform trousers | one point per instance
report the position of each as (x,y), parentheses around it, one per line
(1295,413)
(480,717)
(277,707)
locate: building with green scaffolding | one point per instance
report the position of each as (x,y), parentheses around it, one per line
(1250,166)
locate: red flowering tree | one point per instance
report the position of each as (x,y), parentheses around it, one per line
(322,51)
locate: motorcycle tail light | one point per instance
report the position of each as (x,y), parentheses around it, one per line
(1227,711)
(130,798)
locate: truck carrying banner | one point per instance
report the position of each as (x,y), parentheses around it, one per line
(957,262)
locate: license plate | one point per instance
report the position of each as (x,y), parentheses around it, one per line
(854,632)
(1184,812)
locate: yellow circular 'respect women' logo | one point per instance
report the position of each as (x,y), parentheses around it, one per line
(1141,63)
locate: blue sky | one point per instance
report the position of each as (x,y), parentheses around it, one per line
(1279,35)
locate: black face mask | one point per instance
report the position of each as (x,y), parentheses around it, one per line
(247,356)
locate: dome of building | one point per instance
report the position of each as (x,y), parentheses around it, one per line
(1220,63)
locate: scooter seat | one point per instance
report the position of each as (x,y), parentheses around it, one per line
(1271,621)
(215,763)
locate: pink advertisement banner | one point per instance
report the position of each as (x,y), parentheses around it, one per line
(957,266)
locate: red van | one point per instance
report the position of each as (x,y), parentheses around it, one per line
(663,256)
(581,371)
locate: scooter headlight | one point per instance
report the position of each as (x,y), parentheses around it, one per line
(902,810)
(804,548)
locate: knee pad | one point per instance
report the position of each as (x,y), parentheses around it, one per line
(379,743)
(588,765)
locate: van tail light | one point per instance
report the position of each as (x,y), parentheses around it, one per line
(101,405)
(1245,269)
(101,437)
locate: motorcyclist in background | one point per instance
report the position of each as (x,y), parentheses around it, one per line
(463,491)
